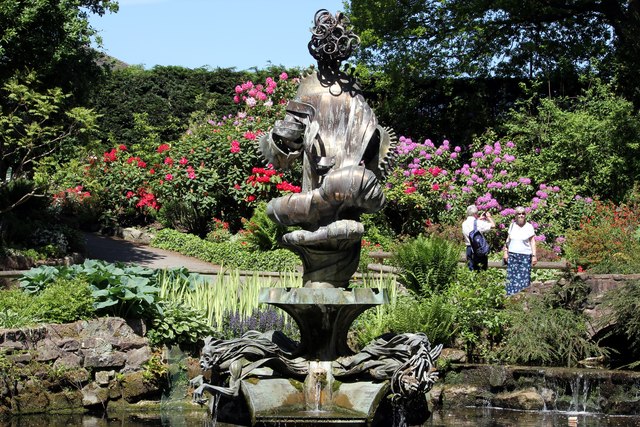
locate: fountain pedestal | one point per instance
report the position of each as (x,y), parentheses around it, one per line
(323,316)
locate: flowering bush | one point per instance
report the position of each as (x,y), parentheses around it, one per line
(210,172)
(435,184)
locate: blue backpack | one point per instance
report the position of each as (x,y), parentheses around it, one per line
(479,244)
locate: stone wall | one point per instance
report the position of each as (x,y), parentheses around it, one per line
(537,389)
(75,367)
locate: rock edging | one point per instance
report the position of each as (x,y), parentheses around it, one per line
(75,367)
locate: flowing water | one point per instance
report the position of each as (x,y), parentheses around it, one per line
(471,417)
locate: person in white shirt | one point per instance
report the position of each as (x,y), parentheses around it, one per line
(484,222)
(520,252)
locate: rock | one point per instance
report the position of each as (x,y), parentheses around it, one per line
(453,355)
(22,358)
(47,350)
(460,395)
(135,359)
(93,395)
(498,376)
(65,401)
(527,399)
(136,388)
(69,360)
(68,344)
(104,377)
(101,360)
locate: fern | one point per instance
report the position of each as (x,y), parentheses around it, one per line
(427,265)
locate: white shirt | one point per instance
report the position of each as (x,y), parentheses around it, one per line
(519,238)
(467,227)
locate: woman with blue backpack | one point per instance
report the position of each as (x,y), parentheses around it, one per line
(477,246)
(519,252)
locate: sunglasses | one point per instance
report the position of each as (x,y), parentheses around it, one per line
(521,214)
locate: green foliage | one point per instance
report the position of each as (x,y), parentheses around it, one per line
(434,315)
(117,289)
(209,172)
(33,125)
(538,334)
(260,232)
(64,301)
(621,308)
(605,243)
(503,39)
(479,300)
(184,216)
(427,265)
(229,254)
(180,324)
(590,143)
(52,37)
(16,309)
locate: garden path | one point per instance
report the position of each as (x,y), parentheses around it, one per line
(113,249)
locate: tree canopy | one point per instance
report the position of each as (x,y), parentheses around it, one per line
(506,38)
(52,38)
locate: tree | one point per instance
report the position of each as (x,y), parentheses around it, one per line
(508,38)
(33,125)
(52,38)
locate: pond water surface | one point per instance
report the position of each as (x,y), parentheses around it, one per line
(458,418)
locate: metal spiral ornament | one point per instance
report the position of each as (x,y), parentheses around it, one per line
(332,41)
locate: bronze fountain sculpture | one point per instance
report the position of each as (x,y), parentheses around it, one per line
(346,157)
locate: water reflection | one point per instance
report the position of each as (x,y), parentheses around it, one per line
(459,418)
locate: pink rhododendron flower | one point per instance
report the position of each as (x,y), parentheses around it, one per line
(284,76)
(168,161)
(183,161)
(235,146)
(168,177)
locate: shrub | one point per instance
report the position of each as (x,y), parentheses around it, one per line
(605,241)
(260,232)
(427,265)
(479,300)
(117,289)
(16,309)
(179,324)
(65,301)
(229,254)
(541,335)
(435,316)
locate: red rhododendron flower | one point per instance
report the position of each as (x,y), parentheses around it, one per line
(162,148)
(110,156)
(122,147)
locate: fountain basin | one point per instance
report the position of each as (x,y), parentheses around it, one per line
(281,401)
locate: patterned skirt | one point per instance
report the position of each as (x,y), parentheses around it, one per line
(518,272)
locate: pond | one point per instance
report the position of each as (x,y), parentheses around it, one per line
(476,417)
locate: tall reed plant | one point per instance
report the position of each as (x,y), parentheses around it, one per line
(226,293)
